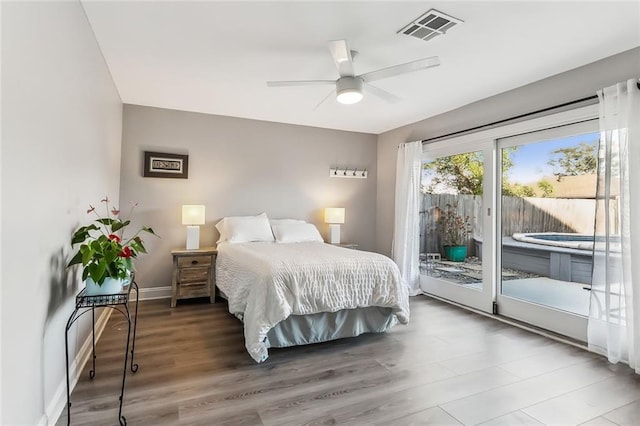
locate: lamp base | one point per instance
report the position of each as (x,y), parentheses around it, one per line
(334,233)
(193,237)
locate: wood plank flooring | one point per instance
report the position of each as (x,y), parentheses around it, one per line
(448,367)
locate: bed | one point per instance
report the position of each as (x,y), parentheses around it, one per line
(292,289)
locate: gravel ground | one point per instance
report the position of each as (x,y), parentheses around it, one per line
(467,272)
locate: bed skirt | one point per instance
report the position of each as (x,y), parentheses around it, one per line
(326,326)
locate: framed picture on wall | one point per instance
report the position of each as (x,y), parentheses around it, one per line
(164,165)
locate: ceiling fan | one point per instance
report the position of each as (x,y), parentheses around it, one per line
(349,87)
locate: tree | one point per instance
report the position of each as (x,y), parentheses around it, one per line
(577,160)
(516,189)
(546,187)
(463,173)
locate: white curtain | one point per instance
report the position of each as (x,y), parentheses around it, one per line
(614,315)
(406,233)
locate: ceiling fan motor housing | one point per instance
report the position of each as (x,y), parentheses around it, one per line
(349,90)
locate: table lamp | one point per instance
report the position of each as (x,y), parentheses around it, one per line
(193,217)
(334,216)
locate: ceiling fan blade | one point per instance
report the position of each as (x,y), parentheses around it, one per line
(382,94)
(324,100)
(300,83)
(420,64)
(342,57)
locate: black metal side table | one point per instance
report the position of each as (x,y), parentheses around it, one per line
(120,303)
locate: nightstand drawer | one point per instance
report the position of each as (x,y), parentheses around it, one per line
(193,290)
(188,261)
(191,275)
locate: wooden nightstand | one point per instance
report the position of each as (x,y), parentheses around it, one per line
(193,274)
(348,245)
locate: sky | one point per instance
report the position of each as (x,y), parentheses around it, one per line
(530,161)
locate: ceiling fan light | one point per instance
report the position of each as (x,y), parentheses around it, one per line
(349,96)
(349,90)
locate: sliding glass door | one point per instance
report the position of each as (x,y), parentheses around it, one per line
(507,220)
(455,240)
(546,226)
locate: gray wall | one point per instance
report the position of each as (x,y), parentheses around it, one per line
(61,134)
(241,167)
(571,85)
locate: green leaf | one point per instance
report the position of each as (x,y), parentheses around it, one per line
(117,225)
(149,230)
(93,272)
(97,272)
(79,236)
(112,270)
(75,259)
(137,245)
(82,234)
(110,256)
(128,264)
(106,221)
(96,246)
(86,253)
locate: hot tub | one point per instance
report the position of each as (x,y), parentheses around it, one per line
(558,239)
(547,255)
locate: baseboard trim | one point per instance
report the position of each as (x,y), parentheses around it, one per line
(152,293)
(56,406)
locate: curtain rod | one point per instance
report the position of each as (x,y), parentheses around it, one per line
(588,98)
(516,117)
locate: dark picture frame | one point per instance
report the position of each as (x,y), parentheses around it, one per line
(165,165)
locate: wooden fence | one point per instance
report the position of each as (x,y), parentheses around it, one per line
(528,214)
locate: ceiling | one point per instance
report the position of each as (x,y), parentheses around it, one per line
(215,57)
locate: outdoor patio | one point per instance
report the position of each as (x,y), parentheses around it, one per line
(563,295)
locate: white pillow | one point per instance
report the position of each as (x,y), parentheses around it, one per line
(244,229)
(222,225)
(296,233)
(285,221)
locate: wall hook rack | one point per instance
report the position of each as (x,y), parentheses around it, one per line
(348,172)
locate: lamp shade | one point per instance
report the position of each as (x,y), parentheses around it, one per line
(334,215)
(192,215)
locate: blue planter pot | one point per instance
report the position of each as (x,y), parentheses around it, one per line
(109,286)
(455,253)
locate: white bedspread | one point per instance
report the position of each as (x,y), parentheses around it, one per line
(267,282)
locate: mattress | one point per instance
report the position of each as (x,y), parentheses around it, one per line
(265,283)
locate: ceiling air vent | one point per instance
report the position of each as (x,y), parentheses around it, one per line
(431,24)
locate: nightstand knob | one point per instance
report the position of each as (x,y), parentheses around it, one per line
(194,262)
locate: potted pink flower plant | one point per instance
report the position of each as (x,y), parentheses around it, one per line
(105,252)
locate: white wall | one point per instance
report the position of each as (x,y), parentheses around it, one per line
(1,399)
(61,133)
(241,167)
(571,85)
